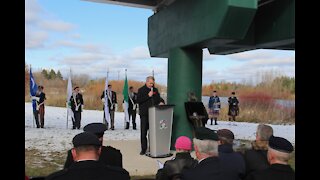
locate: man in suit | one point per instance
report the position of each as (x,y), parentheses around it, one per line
(231,160)
(148,96)
(77,107)
(112,104)
(86,151)
(256,158)
(40,97)
(209,166)
(109,155)
(132,109)
(278,156)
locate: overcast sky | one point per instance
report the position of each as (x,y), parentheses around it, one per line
(91,37)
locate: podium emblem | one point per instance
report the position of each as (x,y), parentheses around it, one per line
(163,124)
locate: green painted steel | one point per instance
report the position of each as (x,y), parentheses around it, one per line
(273,28)
(193,23)
(184,76)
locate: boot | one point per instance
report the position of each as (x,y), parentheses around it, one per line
(215,121)
(127,125)
(134,126)
(211,121)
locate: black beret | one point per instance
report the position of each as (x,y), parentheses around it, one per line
(280,144)
(96,128)
(85,138)
(233,93)
(204,133)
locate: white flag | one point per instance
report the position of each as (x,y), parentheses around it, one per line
(69,94)
(106,106)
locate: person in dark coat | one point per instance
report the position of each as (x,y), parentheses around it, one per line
(76,107)
(256,158)
(40,97)
(132,109)
(233,162)
(112,104)
(278,156)
(233,107)
(173,169)
(86,151)
(148,96)
(209,166)
(109,155)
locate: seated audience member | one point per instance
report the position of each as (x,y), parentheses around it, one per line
(278,156)
(232,162)
(256,158)
(86,151)
(172,169)
(209,166)
(109,155)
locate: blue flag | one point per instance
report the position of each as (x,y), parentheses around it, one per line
(33,89)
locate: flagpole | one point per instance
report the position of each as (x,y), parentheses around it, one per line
(33,118)
(67,104)
(125,122)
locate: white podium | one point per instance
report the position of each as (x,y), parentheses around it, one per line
(160,130)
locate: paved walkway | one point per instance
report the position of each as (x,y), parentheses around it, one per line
(133,162)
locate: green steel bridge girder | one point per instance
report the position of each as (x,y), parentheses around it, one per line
(197,23)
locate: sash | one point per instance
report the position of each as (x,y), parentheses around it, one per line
(111,107)
(134,105)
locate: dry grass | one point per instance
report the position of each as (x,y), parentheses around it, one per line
(38,163)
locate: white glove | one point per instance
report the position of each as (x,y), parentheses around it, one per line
(116,107)
(82,106)
(103,100)
(67,105)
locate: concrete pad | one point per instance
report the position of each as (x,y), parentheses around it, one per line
(133,162)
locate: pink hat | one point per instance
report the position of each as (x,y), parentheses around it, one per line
(183,142)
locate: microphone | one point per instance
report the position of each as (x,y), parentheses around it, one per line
(152,96)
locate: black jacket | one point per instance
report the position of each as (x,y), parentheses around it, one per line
(255,160)
(134,100)
(90,170)
(79,101)
(173,169)
(232,162)
(233,102)
(42,97)
(274,172)
(109,156)
(208,169)
(113,100)
(145,101)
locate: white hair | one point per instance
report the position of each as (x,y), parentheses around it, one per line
(208,147)
(280,156)
(150,77)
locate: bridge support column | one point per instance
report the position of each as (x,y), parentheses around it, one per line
(184,76)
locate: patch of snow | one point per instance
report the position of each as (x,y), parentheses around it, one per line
(56,137)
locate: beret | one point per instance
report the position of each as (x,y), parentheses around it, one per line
(95,128)
(203,133)
(280,144)
(85,138)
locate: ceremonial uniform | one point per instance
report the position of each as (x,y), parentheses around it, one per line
(89,169)
(112,104)
(233,107)
(109,155)
(76,106)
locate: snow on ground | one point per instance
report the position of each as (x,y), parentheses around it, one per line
(56,137)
